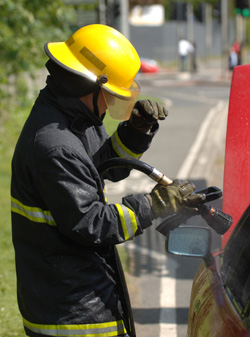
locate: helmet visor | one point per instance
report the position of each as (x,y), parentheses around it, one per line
(120,107)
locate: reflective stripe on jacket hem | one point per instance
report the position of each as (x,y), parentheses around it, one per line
(121,149)
(83,330)
(128,221)
(32,213)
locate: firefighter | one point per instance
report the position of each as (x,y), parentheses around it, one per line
(69,277)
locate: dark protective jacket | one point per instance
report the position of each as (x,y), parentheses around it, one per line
(64,232)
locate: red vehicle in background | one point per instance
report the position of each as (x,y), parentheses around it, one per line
(149,66)
(220,297)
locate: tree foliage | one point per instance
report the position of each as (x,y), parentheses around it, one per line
(25,26)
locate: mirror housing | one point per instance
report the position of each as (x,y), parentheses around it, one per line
(189,241)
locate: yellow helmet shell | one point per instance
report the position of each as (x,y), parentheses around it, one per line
(99,51)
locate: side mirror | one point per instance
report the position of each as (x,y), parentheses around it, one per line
(189,241)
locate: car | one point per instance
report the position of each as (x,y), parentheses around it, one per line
(149,66)
(220,295)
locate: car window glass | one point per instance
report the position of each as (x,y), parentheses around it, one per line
(236,261)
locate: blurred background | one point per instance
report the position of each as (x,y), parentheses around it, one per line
(215,31)
(171,37)
(155,28)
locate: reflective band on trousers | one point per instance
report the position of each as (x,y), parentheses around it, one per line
(128,220)
(82,330)
(32,213)
(121,149)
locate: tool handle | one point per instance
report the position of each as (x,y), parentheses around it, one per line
(216,219)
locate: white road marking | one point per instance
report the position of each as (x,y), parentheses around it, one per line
(199,141)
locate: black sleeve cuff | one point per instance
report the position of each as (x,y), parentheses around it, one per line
(133,139)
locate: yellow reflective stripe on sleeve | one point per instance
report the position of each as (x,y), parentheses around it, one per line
(128,221)
(32,213)
(108,329)
(121,149)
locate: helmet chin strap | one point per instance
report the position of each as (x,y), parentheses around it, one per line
(100,80)
(95,99)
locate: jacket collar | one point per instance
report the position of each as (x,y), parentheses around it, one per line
(77,112)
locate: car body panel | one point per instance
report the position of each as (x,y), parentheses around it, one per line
(236,186)
(211,312)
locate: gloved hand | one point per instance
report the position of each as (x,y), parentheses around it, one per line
(146,113)
(174,198)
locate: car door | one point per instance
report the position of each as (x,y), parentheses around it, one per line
(236,267)
(220,298)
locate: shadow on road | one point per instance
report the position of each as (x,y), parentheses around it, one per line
(151,315)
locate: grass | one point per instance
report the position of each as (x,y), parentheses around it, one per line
(10,320)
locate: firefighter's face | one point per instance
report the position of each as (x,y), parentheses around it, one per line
(88,101)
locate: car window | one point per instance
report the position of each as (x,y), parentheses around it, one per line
(236,262)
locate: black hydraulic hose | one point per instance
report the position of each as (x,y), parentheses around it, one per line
(131,163)
(125,162)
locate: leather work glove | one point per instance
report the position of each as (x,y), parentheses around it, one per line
(146,113)
(174,198)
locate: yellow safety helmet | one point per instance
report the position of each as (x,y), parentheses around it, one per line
(102,54)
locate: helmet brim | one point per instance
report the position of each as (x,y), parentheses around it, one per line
(60,53)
